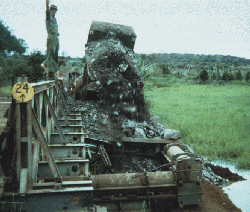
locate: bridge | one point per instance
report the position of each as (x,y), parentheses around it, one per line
(45,162)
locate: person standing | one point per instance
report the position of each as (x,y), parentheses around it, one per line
(50,65)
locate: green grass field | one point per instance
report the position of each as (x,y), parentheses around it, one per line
(213,119)
(5,91)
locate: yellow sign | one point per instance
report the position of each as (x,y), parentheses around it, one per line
(22,92)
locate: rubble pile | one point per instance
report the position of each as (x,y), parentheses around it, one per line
(103,123)
(113,106)
(114,80)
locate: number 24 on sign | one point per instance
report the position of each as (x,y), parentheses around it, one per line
(23,92)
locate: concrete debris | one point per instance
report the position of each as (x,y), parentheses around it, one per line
(139,133)
(150,133)
(104,121)
(114,79)
(128,132)
(129,124)
(171,134)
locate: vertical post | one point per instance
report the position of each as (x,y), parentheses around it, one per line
(35,161)
(47,117)
(18,142)
(51,98)
(23,143)
(39,115)
(29,140)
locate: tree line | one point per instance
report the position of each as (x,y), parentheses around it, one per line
(13,62)
(214,67)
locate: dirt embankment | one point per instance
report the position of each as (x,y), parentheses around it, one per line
(213,200)
(224,173)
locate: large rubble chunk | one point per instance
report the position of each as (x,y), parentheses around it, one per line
(171,134)
(114,80)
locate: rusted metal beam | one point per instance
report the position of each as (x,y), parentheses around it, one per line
(45,148)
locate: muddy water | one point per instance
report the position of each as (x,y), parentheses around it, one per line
(238,192)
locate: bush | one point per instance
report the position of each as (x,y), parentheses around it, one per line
(165,69)
(218,77)
(35,72)
(204,75)
(225,76)
(238,75)
(19,65)
(231,77)
(213,76)
(248,76)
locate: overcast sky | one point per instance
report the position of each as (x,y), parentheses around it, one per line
(173,26)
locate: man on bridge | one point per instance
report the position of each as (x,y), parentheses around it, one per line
(50,65)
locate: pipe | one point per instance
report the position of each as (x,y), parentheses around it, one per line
(128,180)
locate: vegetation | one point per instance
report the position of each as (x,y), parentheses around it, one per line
(248,76)
(10,43)
(19,65)
(145,70)
(238,75)
(204,75)
(5,91)
(213,119)
(225,76)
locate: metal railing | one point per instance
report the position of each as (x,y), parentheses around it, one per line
(35,121)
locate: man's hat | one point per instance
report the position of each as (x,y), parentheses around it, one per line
(52,6)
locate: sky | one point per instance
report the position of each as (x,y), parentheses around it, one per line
(173,26)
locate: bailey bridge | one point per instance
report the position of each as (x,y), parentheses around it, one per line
(45,161)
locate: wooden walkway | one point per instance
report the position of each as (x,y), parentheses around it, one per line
(4,105)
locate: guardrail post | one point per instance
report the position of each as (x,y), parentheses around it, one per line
(23,143)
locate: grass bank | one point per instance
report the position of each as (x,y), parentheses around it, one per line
(213,119)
